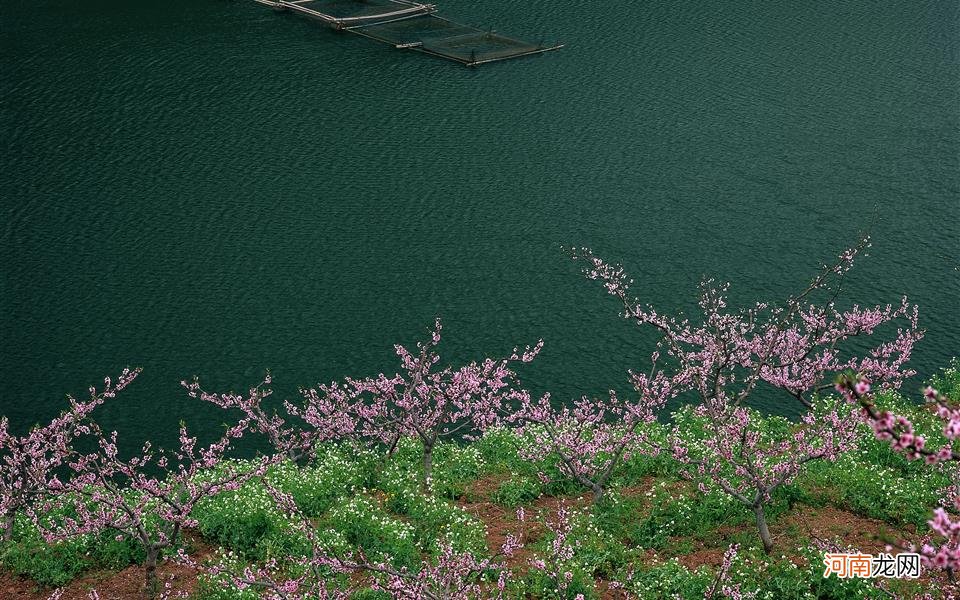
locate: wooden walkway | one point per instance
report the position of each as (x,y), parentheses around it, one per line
(411,25)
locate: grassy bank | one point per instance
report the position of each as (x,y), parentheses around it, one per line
(654,533)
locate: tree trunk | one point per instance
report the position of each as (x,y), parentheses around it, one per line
(151,570)
(762,527)
(8,520)
(427,467)
(597,493)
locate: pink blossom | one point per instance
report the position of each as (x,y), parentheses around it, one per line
(591,438)
(148,497)
(27,463)
(898,430)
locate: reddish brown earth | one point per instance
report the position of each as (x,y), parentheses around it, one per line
(826,523)
(803,523)
(502,522)
(127,584)
(112,585)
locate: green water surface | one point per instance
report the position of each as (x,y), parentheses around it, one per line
(206,187)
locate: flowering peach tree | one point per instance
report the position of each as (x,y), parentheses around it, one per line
(147,498)
(425,402)
(557,564)
(590,438)
(794,349)
(28,462)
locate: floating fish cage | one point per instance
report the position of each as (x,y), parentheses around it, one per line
(413,26)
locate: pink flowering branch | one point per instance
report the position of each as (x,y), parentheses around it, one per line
(28,462)
(722,586)
(592,437)
(899,432)
(294,439)
(794,348)
(147,498)
(557,562)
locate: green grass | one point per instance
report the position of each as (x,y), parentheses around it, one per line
(55,565)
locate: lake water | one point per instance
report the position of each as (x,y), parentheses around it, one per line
(206,187)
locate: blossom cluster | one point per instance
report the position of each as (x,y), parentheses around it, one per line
(27,462)
(899,431)
(591,437)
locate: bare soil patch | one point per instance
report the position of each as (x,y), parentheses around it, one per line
(110,585)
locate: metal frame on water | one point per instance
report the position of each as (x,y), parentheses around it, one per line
(409,25)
